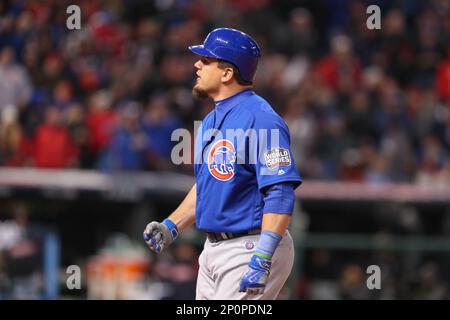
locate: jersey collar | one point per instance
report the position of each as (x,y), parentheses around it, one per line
(228,103)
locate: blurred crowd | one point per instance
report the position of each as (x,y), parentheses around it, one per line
(333,276)
(362,105)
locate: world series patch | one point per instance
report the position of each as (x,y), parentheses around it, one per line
(277,157)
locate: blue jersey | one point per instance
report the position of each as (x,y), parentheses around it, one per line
(242,146)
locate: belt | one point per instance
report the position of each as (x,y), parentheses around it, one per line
(220,236)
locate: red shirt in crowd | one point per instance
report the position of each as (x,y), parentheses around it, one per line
(53,147)
(101,124)
(332,73)
(22,154)
(443,80)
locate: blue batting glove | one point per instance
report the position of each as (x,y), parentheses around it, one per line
(254,281)
(159,236)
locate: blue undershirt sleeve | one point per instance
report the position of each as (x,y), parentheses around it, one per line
(279,198)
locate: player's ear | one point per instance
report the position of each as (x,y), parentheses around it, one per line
(227,74)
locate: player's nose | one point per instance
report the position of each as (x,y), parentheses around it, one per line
(198,64)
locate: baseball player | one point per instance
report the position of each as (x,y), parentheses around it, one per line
(244,192)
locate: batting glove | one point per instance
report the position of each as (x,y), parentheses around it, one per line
(254,281)
(158,236)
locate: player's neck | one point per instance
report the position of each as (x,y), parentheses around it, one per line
(229,91)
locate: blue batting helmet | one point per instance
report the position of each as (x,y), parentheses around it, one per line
(233,46)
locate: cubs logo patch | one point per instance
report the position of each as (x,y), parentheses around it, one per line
(221,160)
(249,245)
(277,157)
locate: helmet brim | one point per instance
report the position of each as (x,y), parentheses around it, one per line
(201,51)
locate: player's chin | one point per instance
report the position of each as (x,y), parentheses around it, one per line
(198,92)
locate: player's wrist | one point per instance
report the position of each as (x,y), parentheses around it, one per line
(267,244)
(263,256)
(173,229)
(260,263)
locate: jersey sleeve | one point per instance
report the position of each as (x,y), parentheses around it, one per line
(271,157)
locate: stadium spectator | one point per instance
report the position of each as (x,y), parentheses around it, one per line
(158,124)
(128,147)
(20,252)
(54,147)
(101,121)
(16,149)
(15,86)
(443,78)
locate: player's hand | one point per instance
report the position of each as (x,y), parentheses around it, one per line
(159,236)
(254,281)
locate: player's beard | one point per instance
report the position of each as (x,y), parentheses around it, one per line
(199,93)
